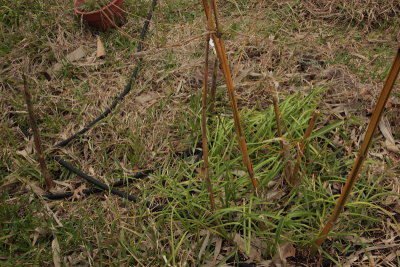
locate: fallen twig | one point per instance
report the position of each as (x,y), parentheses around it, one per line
(36,137)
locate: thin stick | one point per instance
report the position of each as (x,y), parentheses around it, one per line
(284,145)
(278,117)
(352,177)
(36,137)
(221,53)
(293,178)
(204,127)
(213,90)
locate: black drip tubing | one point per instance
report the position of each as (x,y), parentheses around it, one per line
(127,88)
(86,192)
(106,112)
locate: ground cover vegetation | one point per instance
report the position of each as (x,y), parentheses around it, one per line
(330,57)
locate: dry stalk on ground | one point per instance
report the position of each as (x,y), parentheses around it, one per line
(36,137)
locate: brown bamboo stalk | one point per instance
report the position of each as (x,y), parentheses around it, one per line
(204,127)
(278,118)
(221,53)
(207,11)
(215,11)
(36,137)
(284,145)
(358,163)
(294,177)
(213,90)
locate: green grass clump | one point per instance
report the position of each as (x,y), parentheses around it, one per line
(19,220)
(278,214)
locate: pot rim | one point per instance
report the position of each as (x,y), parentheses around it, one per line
(80,12)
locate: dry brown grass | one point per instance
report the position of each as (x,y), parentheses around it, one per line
(284,52)
(367,13)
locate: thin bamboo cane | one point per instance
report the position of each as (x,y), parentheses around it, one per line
(284,145)
(352,177)
(214,9)
(221,53)
(36,137)
(204,127)
(293,179)
(213,90)
(278,118)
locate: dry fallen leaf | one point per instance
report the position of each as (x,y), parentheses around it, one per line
(351,259)
(391,146)
(91,171)
(9,182)
(147,98)
(78,193)
(204,245)
(51,213)
(253,253)
(256,249)
(239,241)
(360,56)
(275,195)
(255,75)
(55,247)
(75,55)
(239,173)
(265,263)
(35,188)
(100,52)
(24,153)
(64,184)
(384,127)
(337,109)
(217,250)
(242,74)
(394,202)
(74,259)
(39,231)
(285,251)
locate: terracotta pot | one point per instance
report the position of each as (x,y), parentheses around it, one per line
(104,18)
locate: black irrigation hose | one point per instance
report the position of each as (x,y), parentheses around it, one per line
(105,113)
(90,191)
(94,181)
(127,88)
(140,175)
